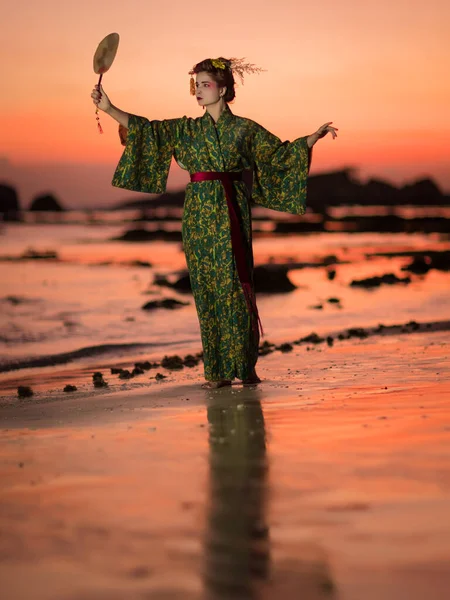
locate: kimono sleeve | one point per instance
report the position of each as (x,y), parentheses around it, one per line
(145,162)
(280,171)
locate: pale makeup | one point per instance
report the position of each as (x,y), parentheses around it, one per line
(207,90)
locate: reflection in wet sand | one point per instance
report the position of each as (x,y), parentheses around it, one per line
(237,547)
(239,561)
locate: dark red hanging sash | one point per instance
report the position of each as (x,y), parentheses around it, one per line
(237,241)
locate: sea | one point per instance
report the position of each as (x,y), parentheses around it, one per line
(72,292)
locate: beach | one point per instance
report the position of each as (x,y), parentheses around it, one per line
(330,479)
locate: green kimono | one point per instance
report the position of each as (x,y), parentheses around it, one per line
(280,170)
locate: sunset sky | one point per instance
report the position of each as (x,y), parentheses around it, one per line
(378,69)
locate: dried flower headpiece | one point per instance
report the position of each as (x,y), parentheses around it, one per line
(238,66)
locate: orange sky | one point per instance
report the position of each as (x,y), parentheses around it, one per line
(377,69)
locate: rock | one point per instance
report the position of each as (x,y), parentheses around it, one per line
(146,366)
(160,376)
(387,278)
(9,203)
(312,338)
(24,391)
(419,265)
(333,300)
(272,279)
(70,388)
(31,254)
(172,362)
(182,284)
(424,191)
(168,303)
(116,371)
(285,347)
(358,332)
(46,202)
(331,274)
(125,374)
(139,263)
(98,381)
(137,371)
(266,348)
(191,361)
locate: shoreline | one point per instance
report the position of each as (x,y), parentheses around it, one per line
(82,373)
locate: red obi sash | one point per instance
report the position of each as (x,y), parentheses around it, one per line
(237,236)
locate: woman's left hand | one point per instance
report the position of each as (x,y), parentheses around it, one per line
(322,132)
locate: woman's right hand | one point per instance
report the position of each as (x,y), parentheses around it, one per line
(100,99)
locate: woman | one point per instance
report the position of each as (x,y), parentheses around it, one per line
(216,149)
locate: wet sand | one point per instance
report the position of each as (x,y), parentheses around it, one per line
(329,480)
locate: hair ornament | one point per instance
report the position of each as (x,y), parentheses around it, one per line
(237,66)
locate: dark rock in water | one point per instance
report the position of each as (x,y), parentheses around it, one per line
(143,235)
(285,347)
(182,284)
(330,341)
(421,264)
(24,391)
(388,278)
(31,254)
(331,274)
(333,300)
(160,376)
(46,202)
(98,381)
(312,338)
(146,366)
(137,371)
(379,192)
(168,303)
(9,203)
(125,374)
(423,189)
(266,348)
(317,306)
(191,361)
(272,279)
(172,362)
(358,332)
(116,371)
(139,263)
(14,300)
(265,351)
(70,388)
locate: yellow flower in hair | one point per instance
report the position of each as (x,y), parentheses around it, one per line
(218,64)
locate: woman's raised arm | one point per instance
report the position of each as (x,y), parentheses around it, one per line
(102,102)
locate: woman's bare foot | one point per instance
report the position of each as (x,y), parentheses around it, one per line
(214,385)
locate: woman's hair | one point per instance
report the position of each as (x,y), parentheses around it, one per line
(223,77)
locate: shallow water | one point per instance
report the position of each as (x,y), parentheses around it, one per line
(90,300)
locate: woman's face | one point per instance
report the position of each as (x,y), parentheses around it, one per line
(206,89)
